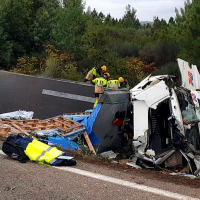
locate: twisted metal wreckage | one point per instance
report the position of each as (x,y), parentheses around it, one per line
(166,120)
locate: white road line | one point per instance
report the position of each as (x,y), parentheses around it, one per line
(1,152)
(125,183)
(68,95)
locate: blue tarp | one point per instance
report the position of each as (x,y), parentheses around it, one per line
(88,124)
(77,118)
(63,143)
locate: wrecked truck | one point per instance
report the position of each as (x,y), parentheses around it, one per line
(164,121)
(166,131)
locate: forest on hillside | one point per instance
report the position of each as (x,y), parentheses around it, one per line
(42,37)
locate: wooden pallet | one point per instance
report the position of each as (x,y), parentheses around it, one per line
(64,125)
(33,125)
(7,130)
(22,121)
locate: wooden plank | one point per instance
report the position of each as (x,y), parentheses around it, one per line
(3,134)
(23,131)
(38,128)
(6,129)
(89,142)
(67,124)
(6,134)
(22,121)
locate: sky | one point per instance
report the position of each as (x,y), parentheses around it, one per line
(146,9)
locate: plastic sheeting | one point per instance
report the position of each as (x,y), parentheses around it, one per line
(16,114)
(63,143)
(88,124)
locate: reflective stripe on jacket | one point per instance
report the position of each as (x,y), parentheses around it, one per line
(113,84)
(42,153)
(99,84)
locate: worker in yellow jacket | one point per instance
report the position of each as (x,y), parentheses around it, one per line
(95,72)
(113,84)
(100,84)
(123,83)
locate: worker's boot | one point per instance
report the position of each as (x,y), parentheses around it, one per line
(96,102)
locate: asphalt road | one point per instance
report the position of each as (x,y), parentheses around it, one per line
(89,180)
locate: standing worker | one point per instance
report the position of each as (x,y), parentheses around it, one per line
(123,83)
(95,72)
(100,83)
(113,84)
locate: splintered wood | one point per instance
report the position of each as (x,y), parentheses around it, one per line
(7,130)
(64,125)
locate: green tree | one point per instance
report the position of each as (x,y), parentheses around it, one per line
(94,13)
(161,51)
(108,20)
(159,24)
(69,27)
(44,14)
(18,27)
(25,27)
(187,31)
(171,20)
(102,16)
(5,45)
(130,20)
(95,41)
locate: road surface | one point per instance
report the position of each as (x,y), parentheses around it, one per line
(88,180)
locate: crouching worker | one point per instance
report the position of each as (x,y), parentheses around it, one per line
(100,83)
(95,72)
(123,83)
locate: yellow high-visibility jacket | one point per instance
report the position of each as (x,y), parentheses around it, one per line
(113,84)
(92,74)
(100,83)
(42,153)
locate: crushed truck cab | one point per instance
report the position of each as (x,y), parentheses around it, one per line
(166,124)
